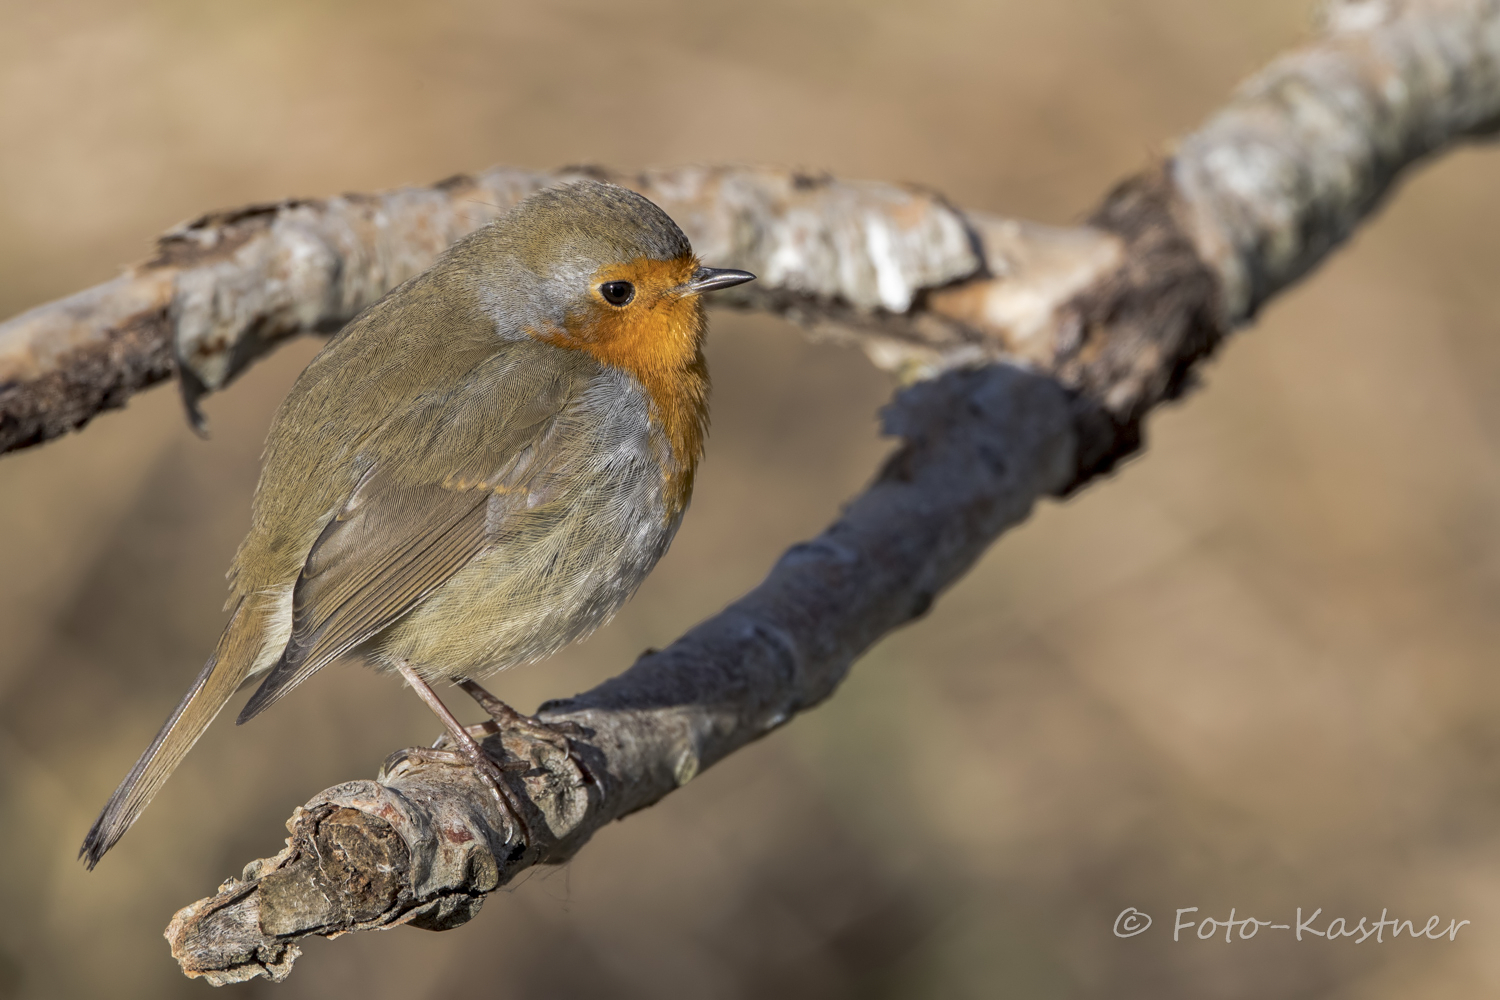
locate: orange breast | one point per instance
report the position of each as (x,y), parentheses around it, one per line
(658,338)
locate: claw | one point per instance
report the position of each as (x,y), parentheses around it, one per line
(556,734)
(466,749)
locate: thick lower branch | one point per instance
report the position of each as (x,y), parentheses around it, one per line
(426,841)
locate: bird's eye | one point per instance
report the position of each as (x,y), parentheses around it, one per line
(617,293)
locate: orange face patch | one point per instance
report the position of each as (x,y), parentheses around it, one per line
(657,330)
(656,336)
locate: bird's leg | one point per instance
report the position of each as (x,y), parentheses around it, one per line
(555,733)
(487,769)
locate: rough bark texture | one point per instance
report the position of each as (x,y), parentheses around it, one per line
(1309,147)
(224,288)
(1092,327)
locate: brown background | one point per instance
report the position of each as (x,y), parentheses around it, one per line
(1253,670)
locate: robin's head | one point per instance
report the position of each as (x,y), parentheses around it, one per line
(596,267)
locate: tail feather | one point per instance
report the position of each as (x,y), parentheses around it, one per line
(220,678)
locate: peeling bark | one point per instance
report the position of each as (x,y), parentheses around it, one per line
(226,287)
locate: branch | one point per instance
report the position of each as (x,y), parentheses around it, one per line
(425,842)
(1098,324)
(225,288)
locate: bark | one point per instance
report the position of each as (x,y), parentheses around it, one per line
(1032,355)
(226,287)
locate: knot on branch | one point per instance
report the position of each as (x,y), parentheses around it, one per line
(421,845)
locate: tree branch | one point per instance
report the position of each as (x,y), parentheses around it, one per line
(1096,325)
(226,287)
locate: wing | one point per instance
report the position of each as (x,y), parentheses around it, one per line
(442,477)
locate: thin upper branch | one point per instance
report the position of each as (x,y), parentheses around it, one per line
(228,286)
(1104,321)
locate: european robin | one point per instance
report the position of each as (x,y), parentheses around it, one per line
(478,469)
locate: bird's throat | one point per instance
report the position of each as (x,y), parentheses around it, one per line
(658,340)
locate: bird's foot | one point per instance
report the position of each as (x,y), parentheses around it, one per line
(506,719)
(489,771)
(465,748)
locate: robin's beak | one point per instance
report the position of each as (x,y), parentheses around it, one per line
(708,279)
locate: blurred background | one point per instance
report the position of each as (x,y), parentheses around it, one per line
(1254,669)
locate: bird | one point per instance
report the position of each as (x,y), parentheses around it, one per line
(478,469)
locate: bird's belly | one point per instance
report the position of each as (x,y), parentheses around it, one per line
(536,590)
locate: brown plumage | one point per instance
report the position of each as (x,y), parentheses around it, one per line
(478,469)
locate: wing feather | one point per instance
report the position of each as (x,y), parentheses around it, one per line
(410,525)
